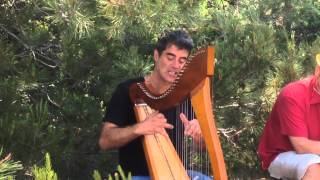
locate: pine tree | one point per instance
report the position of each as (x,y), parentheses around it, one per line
(60,60)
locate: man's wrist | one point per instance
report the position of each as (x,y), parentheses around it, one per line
(136,130)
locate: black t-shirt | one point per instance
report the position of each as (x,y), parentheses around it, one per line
(120,112)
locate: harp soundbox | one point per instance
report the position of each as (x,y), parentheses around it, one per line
(193,81)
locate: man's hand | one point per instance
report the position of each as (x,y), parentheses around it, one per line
(154,123)
(191,128)
(113,137)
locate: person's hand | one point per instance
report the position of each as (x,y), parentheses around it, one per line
(154,123)
(191,128)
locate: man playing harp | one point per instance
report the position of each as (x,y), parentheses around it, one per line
(120,129)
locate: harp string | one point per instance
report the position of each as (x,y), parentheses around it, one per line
(193,155)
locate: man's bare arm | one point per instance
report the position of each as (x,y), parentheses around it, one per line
(113,137)
(304,145)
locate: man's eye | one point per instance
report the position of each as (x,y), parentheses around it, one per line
(170,57)
(182,61)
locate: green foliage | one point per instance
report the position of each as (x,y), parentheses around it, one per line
(298,17)
(68,15)
(120,175)
(60,60)
(46,172)
(140,19)
(117,175)
(96,175)
(255,58)
(8,167)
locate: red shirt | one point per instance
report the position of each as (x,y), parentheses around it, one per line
(295,113)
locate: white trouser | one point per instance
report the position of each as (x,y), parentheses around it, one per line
(290,165)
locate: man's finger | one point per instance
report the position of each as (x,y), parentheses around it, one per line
(184,119)
(189,131)
(168,126)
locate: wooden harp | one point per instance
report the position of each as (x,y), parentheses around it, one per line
(193,81)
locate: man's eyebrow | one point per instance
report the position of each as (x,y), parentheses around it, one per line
(170,54)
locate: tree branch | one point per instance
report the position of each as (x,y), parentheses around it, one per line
(33,52)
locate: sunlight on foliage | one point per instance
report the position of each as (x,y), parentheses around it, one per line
(60,61)
(8,167)
(46,172)
(68,13)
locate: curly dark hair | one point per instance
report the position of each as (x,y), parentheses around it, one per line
(179,38)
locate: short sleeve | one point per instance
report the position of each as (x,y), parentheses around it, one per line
(119,109)
(291,112)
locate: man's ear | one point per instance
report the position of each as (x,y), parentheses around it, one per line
(155,55)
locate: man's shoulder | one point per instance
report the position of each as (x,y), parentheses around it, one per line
(305,82)
(126,84)
(299,87)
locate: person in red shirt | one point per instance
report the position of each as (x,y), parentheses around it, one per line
(289,147)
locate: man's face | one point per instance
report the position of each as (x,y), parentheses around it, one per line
(169,62)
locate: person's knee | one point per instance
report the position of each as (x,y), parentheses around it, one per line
(313,172)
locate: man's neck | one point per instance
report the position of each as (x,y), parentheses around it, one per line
(155,84)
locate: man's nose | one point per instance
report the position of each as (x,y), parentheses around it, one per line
(176,64)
